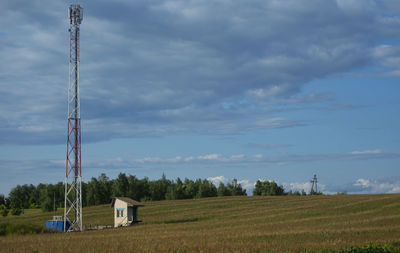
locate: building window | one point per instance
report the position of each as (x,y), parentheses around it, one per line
(120,212)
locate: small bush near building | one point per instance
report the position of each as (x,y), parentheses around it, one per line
(21,229)
(3,210)
(16,211)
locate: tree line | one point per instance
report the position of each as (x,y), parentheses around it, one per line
(101,190)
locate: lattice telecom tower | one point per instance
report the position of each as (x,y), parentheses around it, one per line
(314,182)
(73,176)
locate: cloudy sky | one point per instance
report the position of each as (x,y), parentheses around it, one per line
(218,89)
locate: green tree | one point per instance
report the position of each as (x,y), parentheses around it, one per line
(84,195)
(143,189)
(2,200)
(138,189)
(120,186)
(35,195)
(47,199)
(267,188)
(92,194)
(47,204)
(60,191)
(171,192)
(223,190)
(180,189)
(190,189)
(38,195)
(236,189)
(7,203)
(17,196)
(158,188)
(206,189)
(104,188)
(3,210)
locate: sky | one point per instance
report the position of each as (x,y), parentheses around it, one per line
(211,89)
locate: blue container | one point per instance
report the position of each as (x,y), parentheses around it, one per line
(57,225)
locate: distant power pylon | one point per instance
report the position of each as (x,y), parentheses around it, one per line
(73,176)
(314,186)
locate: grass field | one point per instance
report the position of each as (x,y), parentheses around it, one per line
(229,224)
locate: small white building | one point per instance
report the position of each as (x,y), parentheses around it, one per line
(125,211)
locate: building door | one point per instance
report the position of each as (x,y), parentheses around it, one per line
(130,213)
(135,214)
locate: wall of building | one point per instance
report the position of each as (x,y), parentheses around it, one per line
(118,206)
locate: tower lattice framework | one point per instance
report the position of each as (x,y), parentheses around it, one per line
(73,176)
(314,186)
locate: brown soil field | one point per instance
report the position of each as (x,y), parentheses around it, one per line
(227,224)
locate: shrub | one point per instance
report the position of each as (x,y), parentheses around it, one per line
(3,210)
(20,229)
(371,248)
(16,211)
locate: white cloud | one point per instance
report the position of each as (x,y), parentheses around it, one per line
(296,186)
(274,90)
(209,157)
(264,159)
(364,183)
(237,157)
(367,152)
(188,159)
(149,159)
(376,186)
(258,156)
(193,159)
(245,183)
(218,179)
(306,186)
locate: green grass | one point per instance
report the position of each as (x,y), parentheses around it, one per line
(176,220)
(183,220)
(7,229)
(371,248)
(228,224)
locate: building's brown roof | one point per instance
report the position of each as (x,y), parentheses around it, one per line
(130,201)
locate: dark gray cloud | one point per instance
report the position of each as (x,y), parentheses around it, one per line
(159,67)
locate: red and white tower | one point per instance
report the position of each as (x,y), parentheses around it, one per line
(73,176)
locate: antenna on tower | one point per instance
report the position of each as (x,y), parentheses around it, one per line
(73,176)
